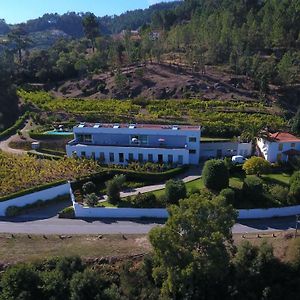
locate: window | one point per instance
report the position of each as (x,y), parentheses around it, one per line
(279,157)
(102,157)
(192,140)
(192,151)
(84,138)
(130,157)
(141,157)
(83,154)
(150,157)
(93,156)
(160,158)
(280,147)
(121,157)
(111,157)
(180,159)
(293,145)
(138,139)
(170,158)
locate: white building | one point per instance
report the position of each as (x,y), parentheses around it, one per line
(122,143)
(222,149)
(279,146)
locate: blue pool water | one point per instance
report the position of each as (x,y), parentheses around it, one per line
(55,132)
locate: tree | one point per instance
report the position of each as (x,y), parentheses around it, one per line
(89,187)
(175,190)
(91,28)
(86,286)
(215,175)
(294,192)
(19,38)
(91,200)
(20,282)
(296,123)
(192,249)
(256,166)
(287,68)
(114,187)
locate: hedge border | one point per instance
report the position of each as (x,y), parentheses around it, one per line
(15,127)
(32,190)
(42,136)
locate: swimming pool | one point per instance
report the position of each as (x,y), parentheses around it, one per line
(56,132)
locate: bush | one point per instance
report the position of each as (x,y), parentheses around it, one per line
(256,166)
(67,213)
(229,195)
(279,193)
(175,190)
(147,200)
(89,187)
(113,191)
(253,188)
(215,175)
(12,211)
(294,192)
(91,200)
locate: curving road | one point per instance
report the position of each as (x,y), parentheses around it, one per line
(46,222)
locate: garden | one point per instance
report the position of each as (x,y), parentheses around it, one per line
(257,184)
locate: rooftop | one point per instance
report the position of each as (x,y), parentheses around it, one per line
(139,126)
(283,137)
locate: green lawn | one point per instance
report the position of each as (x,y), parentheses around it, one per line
(282,178)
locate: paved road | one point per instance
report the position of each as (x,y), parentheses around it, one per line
(46,222)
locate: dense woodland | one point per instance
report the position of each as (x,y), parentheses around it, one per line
(259,39)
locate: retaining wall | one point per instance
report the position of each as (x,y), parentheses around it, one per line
(47,194)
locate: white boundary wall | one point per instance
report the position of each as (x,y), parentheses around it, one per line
(123,213)
(266,213)
(45,195)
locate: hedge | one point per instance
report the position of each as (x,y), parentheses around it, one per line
(13,211)
(107,174)
(52,152)
(32,190)
(14,128)
(42,136)
(43,155)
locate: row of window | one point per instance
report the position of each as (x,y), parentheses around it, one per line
(120,157)
(280,146)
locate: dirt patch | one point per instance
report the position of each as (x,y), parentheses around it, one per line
(162,81)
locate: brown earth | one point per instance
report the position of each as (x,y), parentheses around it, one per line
(162,81)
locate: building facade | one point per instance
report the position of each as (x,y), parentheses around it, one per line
(279,146)
(222,149)
(122,143)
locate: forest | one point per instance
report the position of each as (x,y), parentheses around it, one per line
(255,39)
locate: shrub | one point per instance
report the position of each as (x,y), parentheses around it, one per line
(67,213)
(113,191)
(294,192)
(215,175)
(175,190)
(253,188)
(147,200)
(91,200)
(256,166)
(229,195)
(89,187)
(279,193)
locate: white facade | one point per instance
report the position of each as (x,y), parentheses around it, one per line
(225,149)
(278,148)
(121,143)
